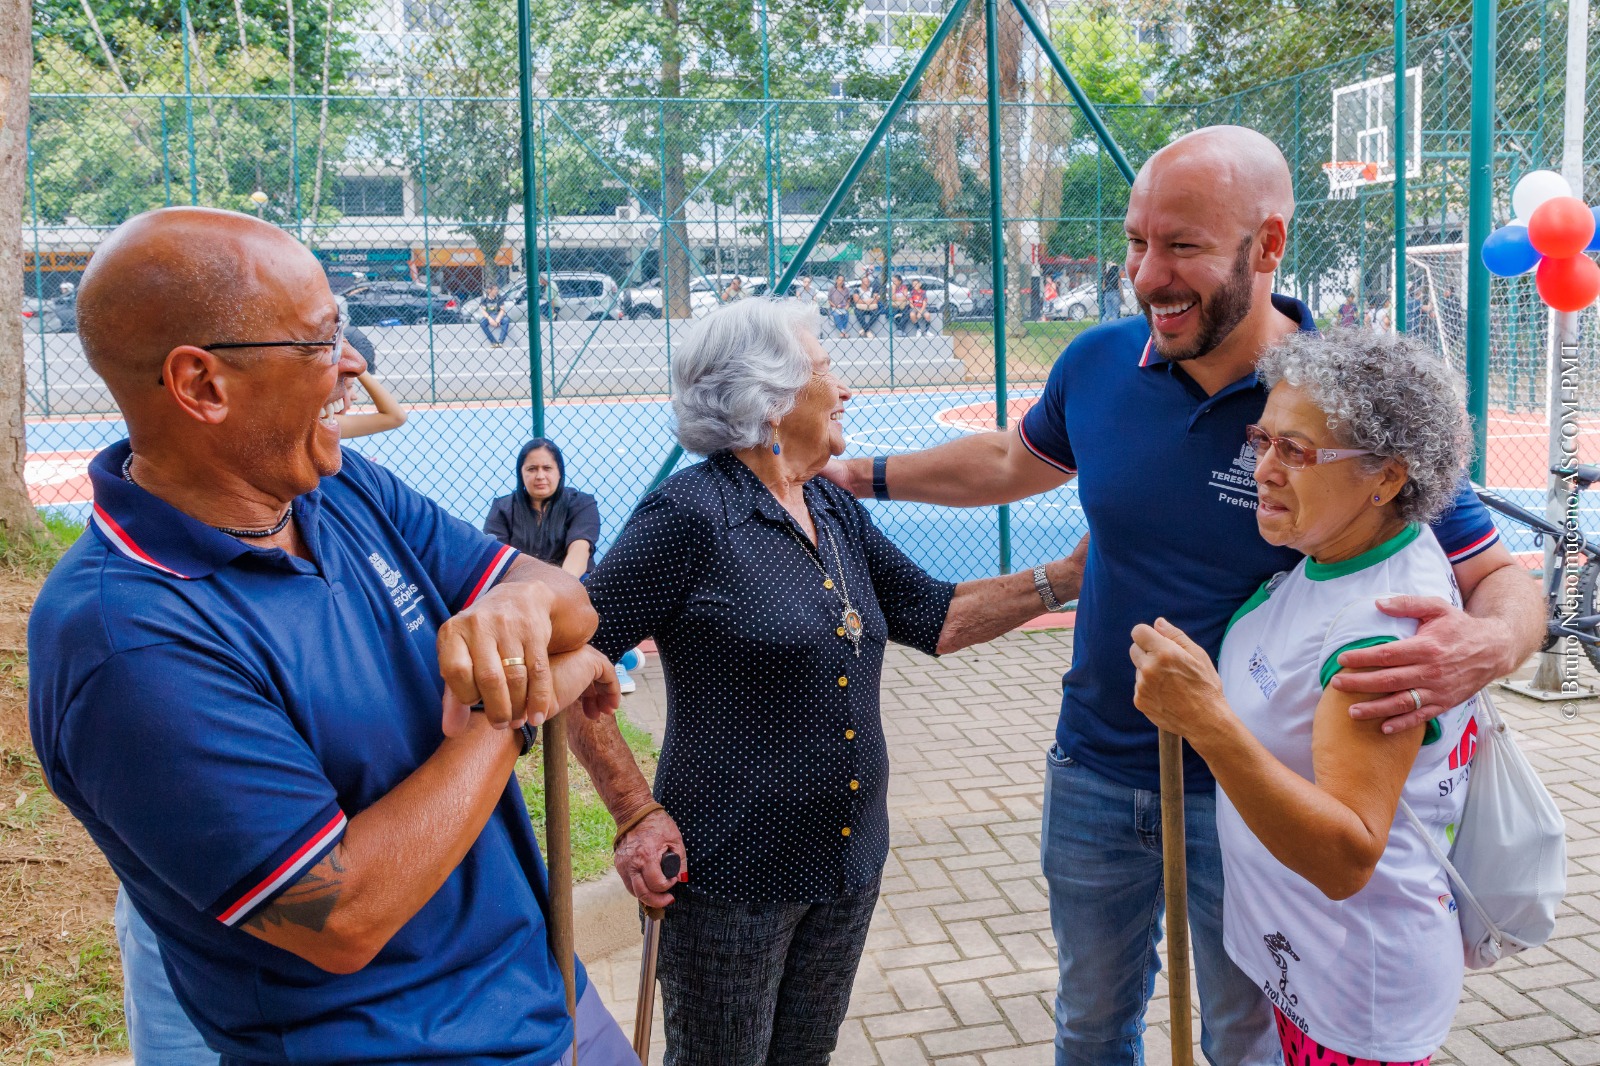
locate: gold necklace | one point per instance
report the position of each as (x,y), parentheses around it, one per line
(849,618)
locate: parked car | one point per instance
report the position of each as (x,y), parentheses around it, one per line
(406,303)
(1083,302)
(581,295)
(959,297)
(705,292)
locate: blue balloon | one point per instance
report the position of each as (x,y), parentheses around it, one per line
(1594,242)
(1507,252)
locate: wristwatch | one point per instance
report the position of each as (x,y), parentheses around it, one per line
(529,734)
(1041,584)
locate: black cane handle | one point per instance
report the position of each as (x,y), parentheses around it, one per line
(671,863)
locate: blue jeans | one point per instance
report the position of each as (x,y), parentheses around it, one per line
(158,1030)
(1101,852)
(496,334)
(1110,306)
(160,1034)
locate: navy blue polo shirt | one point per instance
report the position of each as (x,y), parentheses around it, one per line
(1166,481)
(214,712)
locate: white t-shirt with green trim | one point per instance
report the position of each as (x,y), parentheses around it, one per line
(1377,975)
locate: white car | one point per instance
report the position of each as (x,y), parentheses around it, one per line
(1083,302)
(705,292)
(959,296)
(581,296)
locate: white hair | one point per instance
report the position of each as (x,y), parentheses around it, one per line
(740,369)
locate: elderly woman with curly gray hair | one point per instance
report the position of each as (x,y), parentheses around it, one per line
(771,595)
(1334,904)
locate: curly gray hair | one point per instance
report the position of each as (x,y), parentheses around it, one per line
(1386,393)
(741,368)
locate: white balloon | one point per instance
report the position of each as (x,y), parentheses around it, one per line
(1534,189)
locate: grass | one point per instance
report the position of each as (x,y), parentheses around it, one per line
(1029,356)
(34,553)
(69,1004)
(592,827)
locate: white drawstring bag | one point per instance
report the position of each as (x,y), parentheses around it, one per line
(1508,865)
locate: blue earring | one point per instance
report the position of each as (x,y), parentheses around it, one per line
(775,449)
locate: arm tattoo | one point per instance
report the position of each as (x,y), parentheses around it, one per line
(307,902)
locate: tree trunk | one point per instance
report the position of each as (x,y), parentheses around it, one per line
(676,270)
(16,61)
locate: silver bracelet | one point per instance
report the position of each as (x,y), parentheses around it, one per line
(1042,585)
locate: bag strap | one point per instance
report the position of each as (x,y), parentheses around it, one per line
(1450,870)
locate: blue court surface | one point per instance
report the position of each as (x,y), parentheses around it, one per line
(463,458)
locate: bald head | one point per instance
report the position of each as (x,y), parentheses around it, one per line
(185,275)
(1236,169)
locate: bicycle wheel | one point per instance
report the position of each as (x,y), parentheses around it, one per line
(1588,578)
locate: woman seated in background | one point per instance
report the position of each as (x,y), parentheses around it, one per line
(1334,904)
(772,596)
(550,520)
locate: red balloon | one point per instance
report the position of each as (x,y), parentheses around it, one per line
(1561,227)
(1568,284)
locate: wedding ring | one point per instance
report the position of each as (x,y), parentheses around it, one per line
(1416,698)
(517,660)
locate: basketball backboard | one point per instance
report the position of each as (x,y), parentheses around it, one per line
(1363,128)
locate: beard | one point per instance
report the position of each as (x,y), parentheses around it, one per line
(1220,313)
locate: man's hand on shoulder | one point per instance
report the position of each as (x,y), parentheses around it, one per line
(1452,657)
(842,473)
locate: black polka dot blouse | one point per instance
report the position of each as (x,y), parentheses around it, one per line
(774,764)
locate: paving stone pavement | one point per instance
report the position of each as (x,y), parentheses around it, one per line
(960,964)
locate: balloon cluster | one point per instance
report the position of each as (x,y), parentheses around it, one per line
(1550,230)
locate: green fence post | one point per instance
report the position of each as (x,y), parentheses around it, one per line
(997,245)
(1401,294)
(38,279)
(427,244)
(166,156)
(888,248)
(766,129)
(1480,213)
(188,103)
(530,221)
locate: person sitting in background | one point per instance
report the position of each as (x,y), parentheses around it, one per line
(550,520)
(900,301)
(493,318)
(1327,888)
(867,305)
(734,291)
(839,306)
(917,299)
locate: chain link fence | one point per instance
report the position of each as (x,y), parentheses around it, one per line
(386,135)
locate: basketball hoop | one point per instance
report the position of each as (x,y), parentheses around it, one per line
(1345,177)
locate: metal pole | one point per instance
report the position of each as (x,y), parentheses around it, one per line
(166,155)
(38,279)
(1078,95)
(530,253)
(1550,680)
(427,244)
(188,104)
(766,130)
(1400,291)
(1480,217)
(888,247)
(997,245)
(846,183)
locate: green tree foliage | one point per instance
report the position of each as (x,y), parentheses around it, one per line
(126,150)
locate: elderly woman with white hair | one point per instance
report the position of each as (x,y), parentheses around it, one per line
(1334,904)
(771,596)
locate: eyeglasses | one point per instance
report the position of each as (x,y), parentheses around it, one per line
(335,346)
(1293,454)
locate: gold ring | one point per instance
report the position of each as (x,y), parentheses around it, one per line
(515,660)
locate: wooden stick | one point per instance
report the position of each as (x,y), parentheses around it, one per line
(558,860)
(1176,876)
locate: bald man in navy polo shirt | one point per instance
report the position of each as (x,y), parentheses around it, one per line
(1148,414)
(250,682)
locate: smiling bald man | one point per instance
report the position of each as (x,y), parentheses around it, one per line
(1148,415)
(241,678)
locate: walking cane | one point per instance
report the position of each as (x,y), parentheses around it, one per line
(558,857)
(644,1010)
(1176,877)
